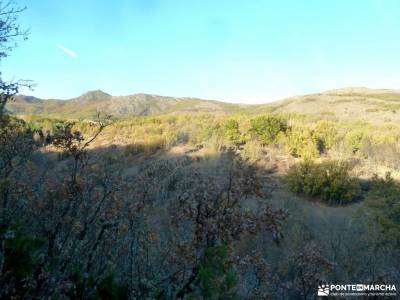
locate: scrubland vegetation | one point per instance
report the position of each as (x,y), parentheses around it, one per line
(372,148)
(329,180)
(194,206)
(197,206)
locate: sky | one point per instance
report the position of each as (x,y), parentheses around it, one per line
(232,50)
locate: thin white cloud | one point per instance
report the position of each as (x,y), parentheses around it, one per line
(67,51)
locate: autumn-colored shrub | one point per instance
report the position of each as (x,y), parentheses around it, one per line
(325,135)
(354,140)
(301,143)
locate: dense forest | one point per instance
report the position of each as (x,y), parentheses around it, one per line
(194,205)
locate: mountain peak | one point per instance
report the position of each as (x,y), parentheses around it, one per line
(95,93)
(92,96)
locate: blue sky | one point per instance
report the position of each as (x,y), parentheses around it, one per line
(249,51)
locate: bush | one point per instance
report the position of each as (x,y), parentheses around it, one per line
(232,133)
(329,180)
(325,135)
(354,140)
(217,278)
(267,128)
(300,143)
(20,260)
(383,209)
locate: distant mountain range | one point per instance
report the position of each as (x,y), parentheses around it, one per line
(362,103)
(90,103)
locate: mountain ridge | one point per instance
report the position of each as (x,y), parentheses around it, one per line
(90,103)
(349,102)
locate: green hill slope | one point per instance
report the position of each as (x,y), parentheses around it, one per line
(348,103)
